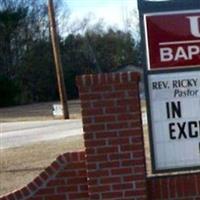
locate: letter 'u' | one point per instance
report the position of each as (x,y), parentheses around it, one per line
(194,25)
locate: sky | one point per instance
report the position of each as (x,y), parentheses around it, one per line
(113,12)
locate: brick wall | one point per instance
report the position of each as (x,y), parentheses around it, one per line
(113,136)
(64,179)
(179,187)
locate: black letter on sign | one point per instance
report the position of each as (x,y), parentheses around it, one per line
(182,132)
(171,131)
(192,134)
(173,109)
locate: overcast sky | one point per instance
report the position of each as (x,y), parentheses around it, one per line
(113,12)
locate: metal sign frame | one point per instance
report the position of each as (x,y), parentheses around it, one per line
(148,8)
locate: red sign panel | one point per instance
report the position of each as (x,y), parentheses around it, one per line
(173,39)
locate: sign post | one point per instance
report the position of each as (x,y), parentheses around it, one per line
(171,40)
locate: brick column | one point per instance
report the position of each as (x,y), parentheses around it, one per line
(113,136)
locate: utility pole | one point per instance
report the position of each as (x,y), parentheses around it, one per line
(57,59)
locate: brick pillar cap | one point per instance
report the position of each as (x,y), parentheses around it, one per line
(90,79)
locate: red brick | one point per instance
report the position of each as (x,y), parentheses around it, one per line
(36,198)
(55,165)
(65,173)
(109,180)
(100,188)
(110,164)
(92,166)
(82,155)
(84,187)
(138,154)
(155,189)
(55,197)
(116,126)
(116,110)
(131,132)
(92,112)
(120,156)
(88,136)
(56,182)
(100,88)
(38,181)
(140,184)
(135,124)
(25,191)
(76,180)
(18,194)
(121,171)
(50,171)
(92,96)
(93,127)
(112,195)
(67,188)
(128,116)
(106,118)
(77,196)
(172,187)
(124,186)
(94,143)
(103,103)
(164,188)
(114,95)
(86,105)
(129,101)
(11,196)
(75,165)
(45,191)
(190,186)
(124,86)
(134,108)
(132,93)
(134,177)
(82,172)
(133,162)
(44,175)
(110,149)
(132,147)
(119,141)
(134,193)
(87,120)
(98,173)
(94,196)
(180,186)
(92,181)
(106,134)
(31,186)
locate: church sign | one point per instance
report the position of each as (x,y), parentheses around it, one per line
(171,40)
(175,118)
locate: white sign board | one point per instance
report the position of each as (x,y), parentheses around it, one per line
(57,110)
(175,119)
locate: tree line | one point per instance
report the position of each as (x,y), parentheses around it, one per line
(27,72)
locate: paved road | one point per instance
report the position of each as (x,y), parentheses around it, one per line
(17,134)
(20,133)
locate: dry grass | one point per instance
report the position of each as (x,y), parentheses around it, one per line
(39,111)
(20,165)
